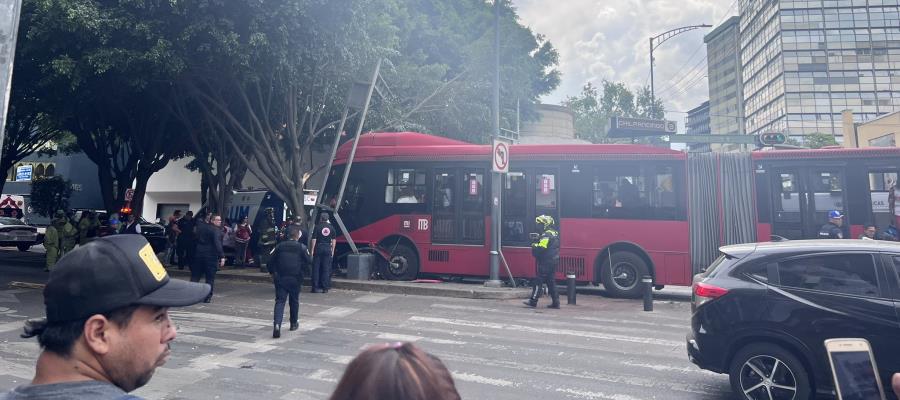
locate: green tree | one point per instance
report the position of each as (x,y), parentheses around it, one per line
(50,194)
(593,108)
(29,129)
(105,76)
(819,140)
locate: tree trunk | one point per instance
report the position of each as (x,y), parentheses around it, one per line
(140,189)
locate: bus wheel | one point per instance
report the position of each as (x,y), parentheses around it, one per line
(403,264)
(622,277)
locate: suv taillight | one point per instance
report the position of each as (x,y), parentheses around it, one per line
(704,292)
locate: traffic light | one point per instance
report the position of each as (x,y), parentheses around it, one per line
(771,138)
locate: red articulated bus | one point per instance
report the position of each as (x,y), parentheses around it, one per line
(422,203)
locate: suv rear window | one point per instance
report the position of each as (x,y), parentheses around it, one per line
(852,274)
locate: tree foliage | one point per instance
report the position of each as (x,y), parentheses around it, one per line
(594,106)
(106,72)
(819,140)
(244,85)
(50,194)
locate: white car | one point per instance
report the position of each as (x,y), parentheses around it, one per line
(14,232)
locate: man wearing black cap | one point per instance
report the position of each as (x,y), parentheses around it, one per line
(107,327)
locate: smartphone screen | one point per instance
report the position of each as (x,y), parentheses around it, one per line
(855,375)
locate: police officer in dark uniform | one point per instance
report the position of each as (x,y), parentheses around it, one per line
(287,264)
(323,252)
(545,250)
(832,229)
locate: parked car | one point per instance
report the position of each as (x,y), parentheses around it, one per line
(761,313)
(15,232)
(154,233)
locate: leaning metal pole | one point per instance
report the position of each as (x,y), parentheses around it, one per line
(362,121)
(9,28)
(334,147)
(495,176)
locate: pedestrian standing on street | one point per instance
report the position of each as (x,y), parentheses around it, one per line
(210,256)
(268,238)
(87,227)
(304,234)
(545,250)
(68,235)
(869,233)
(107,326)
(832,229)
(288,262)
(186,240)
(242,234)
(133,226)
(172,236)
(52,240)
(323,244)
(396,371)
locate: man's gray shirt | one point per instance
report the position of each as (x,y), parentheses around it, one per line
(68,391)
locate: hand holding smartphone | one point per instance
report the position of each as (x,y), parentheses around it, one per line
(854,370)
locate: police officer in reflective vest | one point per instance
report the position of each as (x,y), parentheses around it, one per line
(323,253)
(832,229)
(545,250)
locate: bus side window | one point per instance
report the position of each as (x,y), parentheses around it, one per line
(405,185)
(638,192)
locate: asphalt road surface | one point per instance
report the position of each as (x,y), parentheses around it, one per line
(600,349)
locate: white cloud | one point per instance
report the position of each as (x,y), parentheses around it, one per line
(609,39)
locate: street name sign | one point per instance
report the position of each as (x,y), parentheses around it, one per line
(621,127)
(24,173)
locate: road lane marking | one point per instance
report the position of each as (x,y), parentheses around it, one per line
(548,331)
(474,378)
(370,298)
(583,394)
(337,312)
(396,337)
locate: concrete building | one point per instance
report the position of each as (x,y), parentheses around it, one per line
(697,123)
(726,95)
(76,168)
(879,132)
(803,62)
(555,126)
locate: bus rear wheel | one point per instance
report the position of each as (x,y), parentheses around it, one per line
(403,264)
(621,274)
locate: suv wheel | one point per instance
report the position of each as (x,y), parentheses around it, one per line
(765,371)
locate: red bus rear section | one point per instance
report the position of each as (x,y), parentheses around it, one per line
(423,203)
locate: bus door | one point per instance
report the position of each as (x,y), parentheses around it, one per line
(880,182)
(458,210)
(802,198)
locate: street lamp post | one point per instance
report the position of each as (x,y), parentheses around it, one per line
(662,38)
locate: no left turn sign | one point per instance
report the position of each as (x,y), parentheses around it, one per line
(500,157)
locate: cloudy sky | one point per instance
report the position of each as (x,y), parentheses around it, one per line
(609,39)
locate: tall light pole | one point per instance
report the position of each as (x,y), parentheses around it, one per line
(9,27)
(494,280)
(662,38)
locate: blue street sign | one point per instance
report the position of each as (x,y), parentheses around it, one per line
(23,173)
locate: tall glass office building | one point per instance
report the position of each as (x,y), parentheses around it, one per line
(803,62)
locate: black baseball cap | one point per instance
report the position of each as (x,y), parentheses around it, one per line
(113,272)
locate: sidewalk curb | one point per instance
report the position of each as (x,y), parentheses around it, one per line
(390,287)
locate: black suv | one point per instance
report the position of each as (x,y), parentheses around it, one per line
(762,312)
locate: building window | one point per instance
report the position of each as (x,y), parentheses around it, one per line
(883,141)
